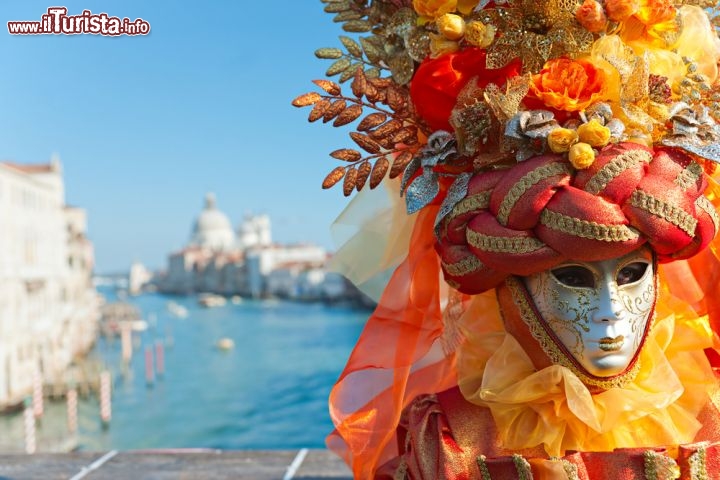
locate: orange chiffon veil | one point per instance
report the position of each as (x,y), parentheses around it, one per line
(410,342)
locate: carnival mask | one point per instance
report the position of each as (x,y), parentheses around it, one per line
(599,311)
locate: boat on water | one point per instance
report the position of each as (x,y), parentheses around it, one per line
(225,344)
(209,300)
(177,310)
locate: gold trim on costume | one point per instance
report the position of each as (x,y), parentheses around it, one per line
(401,471)
(660,467)
(524,184)
(482,464)
(698,469)
(689,176)
(585,229)
(671,213)
(555,353)
(522,466)
(514,245)
(571,470)
(467,265)
(614,168)
(706,206)
(479,201)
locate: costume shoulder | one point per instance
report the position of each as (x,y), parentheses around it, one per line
(444,437)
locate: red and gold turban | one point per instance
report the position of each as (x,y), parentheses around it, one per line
(541,212)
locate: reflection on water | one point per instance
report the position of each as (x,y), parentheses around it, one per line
(269,391)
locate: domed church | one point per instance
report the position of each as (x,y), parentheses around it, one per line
(212,229)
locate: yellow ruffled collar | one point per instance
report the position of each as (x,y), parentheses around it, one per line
(553,408)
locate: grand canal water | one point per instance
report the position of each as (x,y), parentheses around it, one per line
(270,391)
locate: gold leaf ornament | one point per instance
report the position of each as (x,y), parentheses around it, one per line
(359,83)
(352,46)
(338,66)
(357,26)
(373,52)
(349,72)
(365,142)
(386,129)
(337,7)
(400,162)
(346,154)
(364,170)
(335,109)
(318,111)
(349,182)
(328,53)
(378,172)
(348,115)
(330,87)
(306,99)
(333,177)
(371,121)
(347,15)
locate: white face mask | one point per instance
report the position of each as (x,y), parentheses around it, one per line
(598,310)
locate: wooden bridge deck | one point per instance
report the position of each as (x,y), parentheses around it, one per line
(177,465)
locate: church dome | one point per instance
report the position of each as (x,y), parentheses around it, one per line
(212,228)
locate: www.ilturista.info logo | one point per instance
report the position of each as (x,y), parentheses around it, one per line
(57,21)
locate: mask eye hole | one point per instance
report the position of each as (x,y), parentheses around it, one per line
(574,276)
(631,273)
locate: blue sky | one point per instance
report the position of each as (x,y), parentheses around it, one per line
(145,125)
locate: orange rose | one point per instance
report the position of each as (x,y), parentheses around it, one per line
(568,85)
(434,8)
(620,10)
(654,12)
(591,16)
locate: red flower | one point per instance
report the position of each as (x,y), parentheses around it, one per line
(438,82)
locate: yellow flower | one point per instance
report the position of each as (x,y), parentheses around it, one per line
(479,34)
(581,155)
(440,45)
(466,6)
(434,8)
(451,26)
(594,133)
(561,139)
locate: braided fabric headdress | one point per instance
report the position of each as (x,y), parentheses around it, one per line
(521,134)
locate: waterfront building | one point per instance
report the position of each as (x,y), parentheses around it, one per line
(247,263)
(48,306)
(138,278)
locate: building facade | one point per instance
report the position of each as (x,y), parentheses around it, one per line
(48,306)
(247,262)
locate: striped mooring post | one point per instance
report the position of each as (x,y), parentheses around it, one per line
(72,410)
(149,368)
(105,398)
(37,396)
(29,418)
(159,358)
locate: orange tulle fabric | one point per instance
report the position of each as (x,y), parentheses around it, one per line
(553,408)
(407,348)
